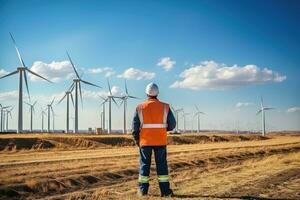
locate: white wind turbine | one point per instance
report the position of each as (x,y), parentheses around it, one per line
(124,99)
(198,113)
(8,112)
(263,118)
(50,108)
(176,115)
(43,113)
(77,84)
(22,72)
(2,109)
(110,97)
(184,120)
(68,94)
(31,109)
(105,100)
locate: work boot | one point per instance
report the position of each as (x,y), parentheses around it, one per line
(169,193)
(141,193)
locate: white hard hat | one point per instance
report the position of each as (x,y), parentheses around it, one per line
(152,89)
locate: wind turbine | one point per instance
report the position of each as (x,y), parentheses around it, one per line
(198,113)
(31,109)
(103,112)
(110,97)
(2,109)
(124,99)
(77,84)
(8,112)
(176,115)
(43,114)
(68,94)
(262,111)
(49,107)
(22,72)
(184,120)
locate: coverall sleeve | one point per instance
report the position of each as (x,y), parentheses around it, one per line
(136,126)
(171,121)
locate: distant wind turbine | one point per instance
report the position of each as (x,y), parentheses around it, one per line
(31,109)
(184,120)
(77,84)
(110,97)
(50,108)
(22,72)
(103,112)
(8,112)
(68,94)
(176,115)
(198,113)
(2,109)
(43,113)
(262,111)
(124,99)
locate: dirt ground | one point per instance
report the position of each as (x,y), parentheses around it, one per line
(214,166)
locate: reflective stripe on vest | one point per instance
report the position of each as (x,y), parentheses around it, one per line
(163,125)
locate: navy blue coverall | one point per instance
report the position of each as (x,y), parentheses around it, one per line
(160,154)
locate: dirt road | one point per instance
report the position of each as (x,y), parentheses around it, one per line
(264,169)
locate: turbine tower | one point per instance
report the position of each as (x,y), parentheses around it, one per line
(31,109)
(124,99)
(77,84)
(110,97)
(68,94)
(43,114)
(22,72)
(263,119)
(49,107)
(198,113)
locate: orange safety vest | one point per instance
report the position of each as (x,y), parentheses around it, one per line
(153,122)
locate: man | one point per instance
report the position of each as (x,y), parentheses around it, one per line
(151,122)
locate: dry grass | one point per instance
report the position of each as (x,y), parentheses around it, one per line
(213,170)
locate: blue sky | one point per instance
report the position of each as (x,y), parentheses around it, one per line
(240,39)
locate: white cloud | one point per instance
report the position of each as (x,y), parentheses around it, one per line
(136,74)
(107,71)
(166,63)
(115,90)
(243,104)
(8,96)
(293,109)
(3,72)
(212,75)
(54,71)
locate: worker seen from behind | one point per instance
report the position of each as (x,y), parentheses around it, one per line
(151,122)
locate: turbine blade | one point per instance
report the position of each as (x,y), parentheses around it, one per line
(90,83)
(52,101)
(261,102)
(26,83)
(269,108)
(27,103)
(114,101)
(18,52)
(196,107)
(121,102)
(72,99)
(126,90)
(52,110)
(12,73)
(34,103)
(109,87)
(73,65)
(62,98)
(258,111)
(38,75)
(71,87)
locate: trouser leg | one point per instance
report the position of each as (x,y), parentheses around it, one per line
(145,163)
(162,168)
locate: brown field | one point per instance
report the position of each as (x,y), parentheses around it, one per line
(210,166)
